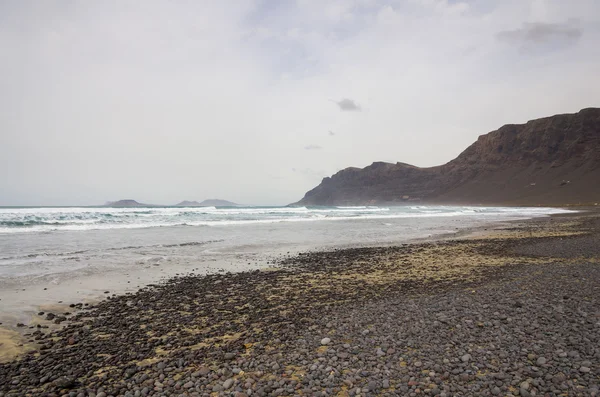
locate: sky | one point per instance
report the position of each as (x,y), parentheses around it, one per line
(255,101)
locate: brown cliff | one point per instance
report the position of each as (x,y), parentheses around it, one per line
(549,161)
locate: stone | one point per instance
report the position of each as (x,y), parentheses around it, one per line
(64,382)
(466,358)
(584,370)
(228,383)
(524,393)
(325,341)
(541,361)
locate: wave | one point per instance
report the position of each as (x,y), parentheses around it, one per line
(43,220)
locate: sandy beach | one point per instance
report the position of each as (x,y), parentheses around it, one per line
(508,311)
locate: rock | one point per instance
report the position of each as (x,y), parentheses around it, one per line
(584,370)
(541,361)
(524,393)
(325,341)
(466,358)
(64,382)
(228,383)
(386,384)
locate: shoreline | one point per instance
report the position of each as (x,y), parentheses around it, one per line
(21,301)
(211,322)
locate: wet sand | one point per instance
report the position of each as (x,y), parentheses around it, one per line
(360,321)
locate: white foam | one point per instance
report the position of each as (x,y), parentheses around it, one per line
(44,220)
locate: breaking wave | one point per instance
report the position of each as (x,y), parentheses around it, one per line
(28,220)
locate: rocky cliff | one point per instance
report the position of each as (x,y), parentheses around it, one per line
(549,161)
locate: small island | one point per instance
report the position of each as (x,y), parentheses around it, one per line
(127,203)
(207,203)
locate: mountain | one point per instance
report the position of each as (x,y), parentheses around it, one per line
(126,204)
(207,203)
(548,161)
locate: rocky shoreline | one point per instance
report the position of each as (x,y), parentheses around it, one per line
(511,313)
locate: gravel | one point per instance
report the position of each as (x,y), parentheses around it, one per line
(528,326)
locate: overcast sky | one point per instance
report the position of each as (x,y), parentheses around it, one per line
(256,101)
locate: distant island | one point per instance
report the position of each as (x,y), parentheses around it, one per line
(129,203)
(207,203)
(549,161)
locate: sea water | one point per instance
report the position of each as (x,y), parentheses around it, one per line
(52,245)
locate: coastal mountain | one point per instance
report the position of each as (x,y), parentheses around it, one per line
(207,203)
(548,161)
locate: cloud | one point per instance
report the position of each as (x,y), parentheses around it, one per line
(312,147)
(541,33)
(205,86)
(348,105)
(331,133)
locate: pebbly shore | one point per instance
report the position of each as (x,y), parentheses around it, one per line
(515,312)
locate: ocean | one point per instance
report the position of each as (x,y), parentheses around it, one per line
(53,245)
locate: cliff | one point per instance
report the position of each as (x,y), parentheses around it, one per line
(549,161)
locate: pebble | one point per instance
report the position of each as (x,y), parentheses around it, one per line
(275,353)
(541,361)
(228,383)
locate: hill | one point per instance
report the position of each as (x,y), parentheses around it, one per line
(218,203)
(548,161)
(126,204)
(207,203)
(186,203)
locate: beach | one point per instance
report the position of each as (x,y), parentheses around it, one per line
(512,310)
(80,254)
